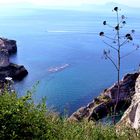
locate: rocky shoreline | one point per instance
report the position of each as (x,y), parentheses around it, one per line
(102,106)
(8,69)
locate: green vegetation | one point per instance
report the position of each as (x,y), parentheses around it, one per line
(21,119)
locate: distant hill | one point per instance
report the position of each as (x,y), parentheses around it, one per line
(108,7)
(113,4)
(85,7)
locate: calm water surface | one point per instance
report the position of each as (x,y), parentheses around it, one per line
(50,38)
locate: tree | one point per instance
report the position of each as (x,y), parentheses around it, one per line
(116,43)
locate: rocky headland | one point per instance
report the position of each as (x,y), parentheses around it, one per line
(103,105)
(8,69)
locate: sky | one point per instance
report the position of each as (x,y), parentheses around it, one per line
(132,3)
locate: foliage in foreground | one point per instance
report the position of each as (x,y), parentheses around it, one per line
(20,118)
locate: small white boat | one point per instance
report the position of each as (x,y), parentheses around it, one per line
(58,68)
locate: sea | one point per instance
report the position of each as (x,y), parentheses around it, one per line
(50,38)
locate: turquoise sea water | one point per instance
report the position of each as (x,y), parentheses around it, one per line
(50,38)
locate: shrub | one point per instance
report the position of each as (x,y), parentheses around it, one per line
(21,119)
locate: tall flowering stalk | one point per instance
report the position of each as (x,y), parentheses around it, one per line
(117,41)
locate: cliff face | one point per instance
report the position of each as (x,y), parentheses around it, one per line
(9,45)
(102,105)
(4,58)
(131,117)
(8,69)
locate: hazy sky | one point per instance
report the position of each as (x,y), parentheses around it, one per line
(134,3)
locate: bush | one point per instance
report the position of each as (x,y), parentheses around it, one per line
(21,119)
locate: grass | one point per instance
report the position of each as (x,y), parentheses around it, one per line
(21,119)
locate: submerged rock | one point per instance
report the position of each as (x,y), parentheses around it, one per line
(104,104)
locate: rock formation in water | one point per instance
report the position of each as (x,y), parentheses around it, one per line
(15,71)
(131,117)
(8,69)
(104,104)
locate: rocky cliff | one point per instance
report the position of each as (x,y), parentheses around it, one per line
(102,106)
(9,45)
(4,57)
(131,117)
(7,69)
